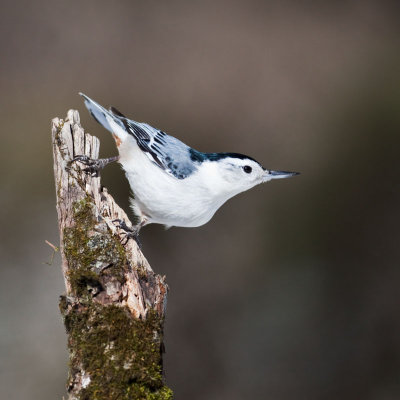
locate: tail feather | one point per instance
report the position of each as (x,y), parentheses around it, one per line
(116,112)
(109,120)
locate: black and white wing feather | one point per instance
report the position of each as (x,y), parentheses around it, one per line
(167,152)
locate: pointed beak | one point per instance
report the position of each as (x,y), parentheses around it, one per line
(268,175)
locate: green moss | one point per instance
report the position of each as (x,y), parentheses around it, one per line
(120,354)
(62,305)
(92,251)
(58,131)
(142,272)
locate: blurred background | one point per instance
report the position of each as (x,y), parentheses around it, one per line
(292,290)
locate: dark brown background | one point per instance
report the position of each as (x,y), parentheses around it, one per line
(291,291)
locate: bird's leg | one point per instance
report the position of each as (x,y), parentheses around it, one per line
(129,232)
(94,166)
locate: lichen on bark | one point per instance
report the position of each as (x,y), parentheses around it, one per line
(94,255)
(119,354)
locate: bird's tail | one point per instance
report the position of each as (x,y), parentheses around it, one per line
(110,120)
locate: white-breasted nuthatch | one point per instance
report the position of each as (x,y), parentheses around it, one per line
(172,183)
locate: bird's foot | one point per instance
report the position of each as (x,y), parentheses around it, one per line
(94,166)
(129,232)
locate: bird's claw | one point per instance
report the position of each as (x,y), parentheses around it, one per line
(129,232)
(93,166)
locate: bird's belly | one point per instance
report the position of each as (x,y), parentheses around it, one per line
(172,207)
(172,212)
(163,199)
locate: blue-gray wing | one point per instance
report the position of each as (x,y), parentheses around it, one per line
(167,152)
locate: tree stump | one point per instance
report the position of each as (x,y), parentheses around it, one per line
(114,306)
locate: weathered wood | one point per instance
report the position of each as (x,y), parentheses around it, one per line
(115,304)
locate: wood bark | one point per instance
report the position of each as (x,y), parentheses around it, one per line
(114,306)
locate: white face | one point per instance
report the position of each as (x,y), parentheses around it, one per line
(241,174)
(232,175)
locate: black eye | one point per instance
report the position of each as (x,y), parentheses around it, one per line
(247,169)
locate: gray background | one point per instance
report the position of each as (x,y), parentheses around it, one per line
(291,291)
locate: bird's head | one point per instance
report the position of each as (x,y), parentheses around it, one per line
(241,173)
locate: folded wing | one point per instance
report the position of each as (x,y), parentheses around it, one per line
(167,152)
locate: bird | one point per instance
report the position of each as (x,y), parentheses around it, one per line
(172,183)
